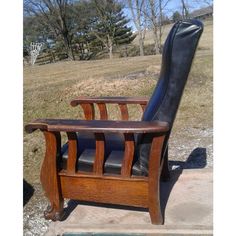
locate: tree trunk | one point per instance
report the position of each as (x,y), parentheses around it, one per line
(110,47)
(69,49)
(71,53)
(137,8)
(155,36)
(160,26)
(184,10)
(141,44)
(160,40)
(110,52)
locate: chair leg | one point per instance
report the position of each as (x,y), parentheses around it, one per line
(51,186)
(54,211)
(165,173)
(49,177)
(155,206)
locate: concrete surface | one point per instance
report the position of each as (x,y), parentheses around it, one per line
(186,202)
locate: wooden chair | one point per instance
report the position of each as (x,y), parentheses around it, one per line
(119,162)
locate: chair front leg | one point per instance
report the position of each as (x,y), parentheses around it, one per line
(49,176)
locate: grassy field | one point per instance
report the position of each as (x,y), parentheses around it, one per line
(48,90)
(206,39)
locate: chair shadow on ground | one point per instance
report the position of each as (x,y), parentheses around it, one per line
(28,192)
(196,160)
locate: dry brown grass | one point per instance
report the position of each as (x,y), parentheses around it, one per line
(48,90)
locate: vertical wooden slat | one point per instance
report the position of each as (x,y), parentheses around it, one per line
(154,172)
(100,153)
(72,152)
(103,111)
(89,111)
(128,155)
(143,106)
(124,111)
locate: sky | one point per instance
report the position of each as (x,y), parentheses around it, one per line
(173,5)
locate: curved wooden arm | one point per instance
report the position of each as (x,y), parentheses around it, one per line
(97,126)
(116,100)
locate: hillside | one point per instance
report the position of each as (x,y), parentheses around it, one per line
(206,41)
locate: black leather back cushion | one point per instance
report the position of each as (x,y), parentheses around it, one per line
(178,53)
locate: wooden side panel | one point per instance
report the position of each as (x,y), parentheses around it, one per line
(103,190)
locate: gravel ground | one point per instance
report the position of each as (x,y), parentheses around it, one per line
(34,222)
(186,151)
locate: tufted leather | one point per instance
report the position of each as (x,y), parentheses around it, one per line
(178,53)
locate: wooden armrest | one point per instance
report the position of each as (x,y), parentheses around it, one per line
(117,100)
(87,103)
(97,126)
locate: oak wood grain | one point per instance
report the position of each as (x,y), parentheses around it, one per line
(100,153)
(106,190)
(124,111)
(128,155)
(72,152)
(89,111)
(118,100)
(49,176)
(154,179)
(97,126)
(103,111)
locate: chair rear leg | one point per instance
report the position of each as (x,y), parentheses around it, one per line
(154,174)
(154,205)
(165,173)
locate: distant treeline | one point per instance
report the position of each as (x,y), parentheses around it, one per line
(80,29)
(92,29)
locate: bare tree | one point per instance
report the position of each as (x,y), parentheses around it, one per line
(155,15)
(137,8)
(185,9)
(55,14)
(208,3)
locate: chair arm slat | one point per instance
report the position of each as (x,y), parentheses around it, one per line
(124,111)
(89,111)
(103,111)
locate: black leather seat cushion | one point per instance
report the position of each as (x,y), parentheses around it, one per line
(114,153)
